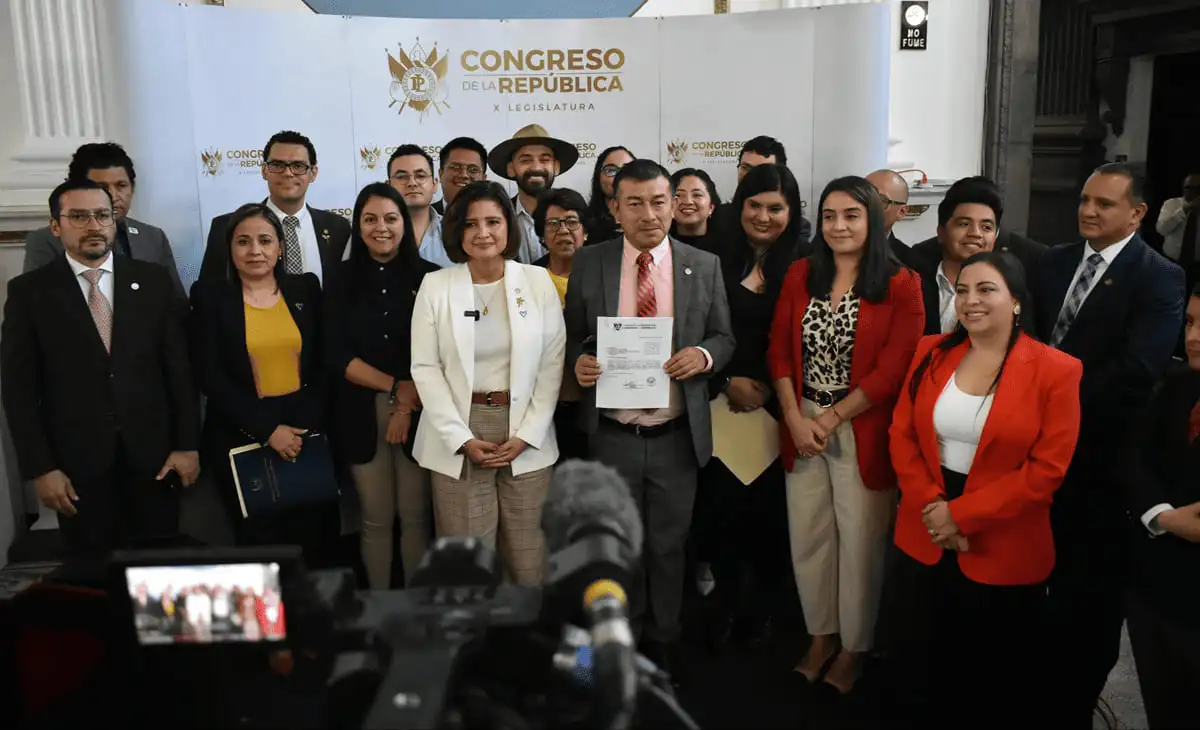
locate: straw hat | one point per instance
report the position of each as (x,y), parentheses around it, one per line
(565,152)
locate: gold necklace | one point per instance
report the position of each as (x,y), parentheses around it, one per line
(486,302)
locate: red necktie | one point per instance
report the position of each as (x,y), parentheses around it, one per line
(647,304)
(1194,423)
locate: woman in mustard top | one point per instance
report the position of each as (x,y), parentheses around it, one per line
(257,357)
(563,222)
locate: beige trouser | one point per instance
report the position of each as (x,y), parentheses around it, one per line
(391,484)
(838,531)
(485,502)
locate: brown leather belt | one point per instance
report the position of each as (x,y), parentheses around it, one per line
(494,398)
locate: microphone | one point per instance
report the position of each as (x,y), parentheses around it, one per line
(594,535)
(472,314)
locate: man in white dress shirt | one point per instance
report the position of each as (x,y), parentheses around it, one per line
(314,239)
(1172,219)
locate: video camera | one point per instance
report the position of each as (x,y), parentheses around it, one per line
(458,648)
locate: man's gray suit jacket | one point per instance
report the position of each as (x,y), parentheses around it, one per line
(146,243)
(701,320)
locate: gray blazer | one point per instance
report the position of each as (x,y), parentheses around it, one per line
(701,320)
(146,243)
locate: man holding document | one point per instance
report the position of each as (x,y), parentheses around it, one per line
(647,322)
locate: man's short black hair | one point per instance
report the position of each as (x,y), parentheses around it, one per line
(289,137)
(641,170)
(765,146)
(99,156)
(1136,175)
(408,150)
(71,185)
(970,190)
(462,143)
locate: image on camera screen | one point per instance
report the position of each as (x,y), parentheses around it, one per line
(207,604)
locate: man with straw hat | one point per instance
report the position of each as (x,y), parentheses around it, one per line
(531,159)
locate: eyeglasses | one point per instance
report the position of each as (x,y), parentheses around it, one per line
(81,218)
(472,170)
(571,224)
(888,202)
(610,170)
(297,168)
(421,177)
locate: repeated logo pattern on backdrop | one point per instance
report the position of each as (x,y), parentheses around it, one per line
(380,82)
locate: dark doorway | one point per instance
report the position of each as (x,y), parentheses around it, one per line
(1174,148)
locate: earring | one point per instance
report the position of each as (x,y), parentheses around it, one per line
(1017,310)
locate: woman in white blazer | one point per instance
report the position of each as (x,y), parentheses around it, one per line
(487,357)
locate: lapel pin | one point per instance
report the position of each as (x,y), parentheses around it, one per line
(135,286)
(522,313)
(325,235)
(687,271)
(132,230)
(1108,282)
(299,306)
(517,291)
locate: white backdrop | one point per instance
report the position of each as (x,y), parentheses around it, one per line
(208,86)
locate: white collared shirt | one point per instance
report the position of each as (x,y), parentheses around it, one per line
(106,279)
(310,253)
(946,312)
(1109,255)
(531,247)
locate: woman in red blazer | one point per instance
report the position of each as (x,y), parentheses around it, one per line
(845,328)
(981,438)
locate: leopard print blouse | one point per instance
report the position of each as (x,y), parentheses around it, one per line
(829,340)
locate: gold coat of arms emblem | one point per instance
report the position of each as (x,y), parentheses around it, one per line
(418,79)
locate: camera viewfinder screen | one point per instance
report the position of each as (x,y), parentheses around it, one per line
(207,604)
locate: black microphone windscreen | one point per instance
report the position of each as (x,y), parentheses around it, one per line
(584,493)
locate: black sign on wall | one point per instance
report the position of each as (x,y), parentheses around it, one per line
(914,26)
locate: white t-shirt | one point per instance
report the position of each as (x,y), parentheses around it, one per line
(493,340)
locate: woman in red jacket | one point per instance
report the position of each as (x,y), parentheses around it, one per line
(981,438)
(845,328)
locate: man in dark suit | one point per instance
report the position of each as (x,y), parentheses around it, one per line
(107,164)
(96,383)
(893,190)
(1027,251)
(968,219)
(314,239)
(658,451)
(1117,306)
(1164,497)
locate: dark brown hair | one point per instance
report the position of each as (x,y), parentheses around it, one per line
(455,220)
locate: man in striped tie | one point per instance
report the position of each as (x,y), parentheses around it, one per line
(1117,305)
(644,273)
(96,383)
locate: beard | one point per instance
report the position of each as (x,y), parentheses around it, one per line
(95,254)
(532,183)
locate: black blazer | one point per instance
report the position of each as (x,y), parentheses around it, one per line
(236,415)
(352,410)
(903,251)
(1165,468)
(332,246)
(927,270)
(69,403)
(1028,251)
(1124,334)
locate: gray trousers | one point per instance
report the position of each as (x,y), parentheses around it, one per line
(661,472)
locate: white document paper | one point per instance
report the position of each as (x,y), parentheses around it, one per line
(632,351)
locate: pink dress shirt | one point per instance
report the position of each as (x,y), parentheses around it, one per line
(663,273)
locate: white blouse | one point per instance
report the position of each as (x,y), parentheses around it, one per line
(493,340)
(958,420)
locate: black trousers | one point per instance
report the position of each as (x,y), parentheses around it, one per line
(1085,613)
(961,649)
(745,534)
(125,508)
(1167,655)
(572,441)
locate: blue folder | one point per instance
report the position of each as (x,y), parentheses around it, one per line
(267,483)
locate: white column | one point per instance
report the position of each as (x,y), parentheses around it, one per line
(55,97)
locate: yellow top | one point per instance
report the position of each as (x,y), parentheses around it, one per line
(560,283)
(274,342)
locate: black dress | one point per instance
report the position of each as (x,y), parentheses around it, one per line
(742,528)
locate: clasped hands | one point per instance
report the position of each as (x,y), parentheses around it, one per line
(941,528)
(488,455)
(400,422)
(811,435)
(687,363)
